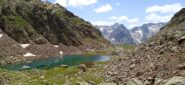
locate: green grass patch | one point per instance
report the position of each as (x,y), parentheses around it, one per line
(58,75)
(128,47)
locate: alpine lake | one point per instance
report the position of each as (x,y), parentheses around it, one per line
(52,62)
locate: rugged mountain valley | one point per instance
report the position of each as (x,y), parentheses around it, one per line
(34,31)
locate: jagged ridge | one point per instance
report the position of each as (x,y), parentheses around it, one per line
(32,20)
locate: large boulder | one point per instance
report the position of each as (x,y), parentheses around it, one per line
(176,81)
(134,81)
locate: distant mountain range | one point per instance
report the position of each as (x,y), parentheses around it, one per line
(119,34)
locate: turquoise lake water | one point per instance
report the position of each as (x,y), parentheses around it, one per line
(69,60)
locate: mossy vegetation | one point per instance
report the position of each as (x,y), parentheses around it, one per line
(59,13)
(19,29)
(77,21)
(128,46)
(15,21)
(1,2)
(58,76)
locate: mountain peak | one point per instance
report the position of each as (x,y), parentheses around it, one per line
(115,25)
(147,30)
(178,18)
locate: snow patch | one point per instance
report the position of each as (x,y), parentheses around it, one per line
(138,40)
(110,31)
(29,55)
(152,28)
(140,32)
(112,39)
(25,67)
(61,53)
(56,46)
(24,45)
(1,35)
(89,50)
(137,36)
(101,29)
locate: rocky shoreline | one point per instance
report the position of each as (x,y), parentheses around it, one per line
(12,52)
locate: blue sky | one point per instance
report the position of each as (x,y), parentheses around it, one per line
(128,12)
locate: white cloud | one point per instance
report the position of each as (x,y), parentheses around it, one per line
(132,25)
(162,13)
(169,8)
(156,18)
(134,20)
(104,8)
(76,3)
(118,19)
(102,22)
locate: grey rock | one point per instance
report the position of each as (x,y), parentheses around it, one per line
(132,66)
(182,39)
(174,49)
(181,67)
(64,66)
(134,81)
(150,81)
(82,67)
(82,83)
(176,81)
(107,84)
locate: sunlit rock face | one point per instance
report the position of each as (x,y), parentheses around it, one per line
(142,33)
(117,34)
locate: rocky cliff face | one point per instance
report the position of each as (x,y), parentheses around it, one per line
(154,62)
(142,33)
(121,35)
(107,30)
(117,34)
(34,21)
